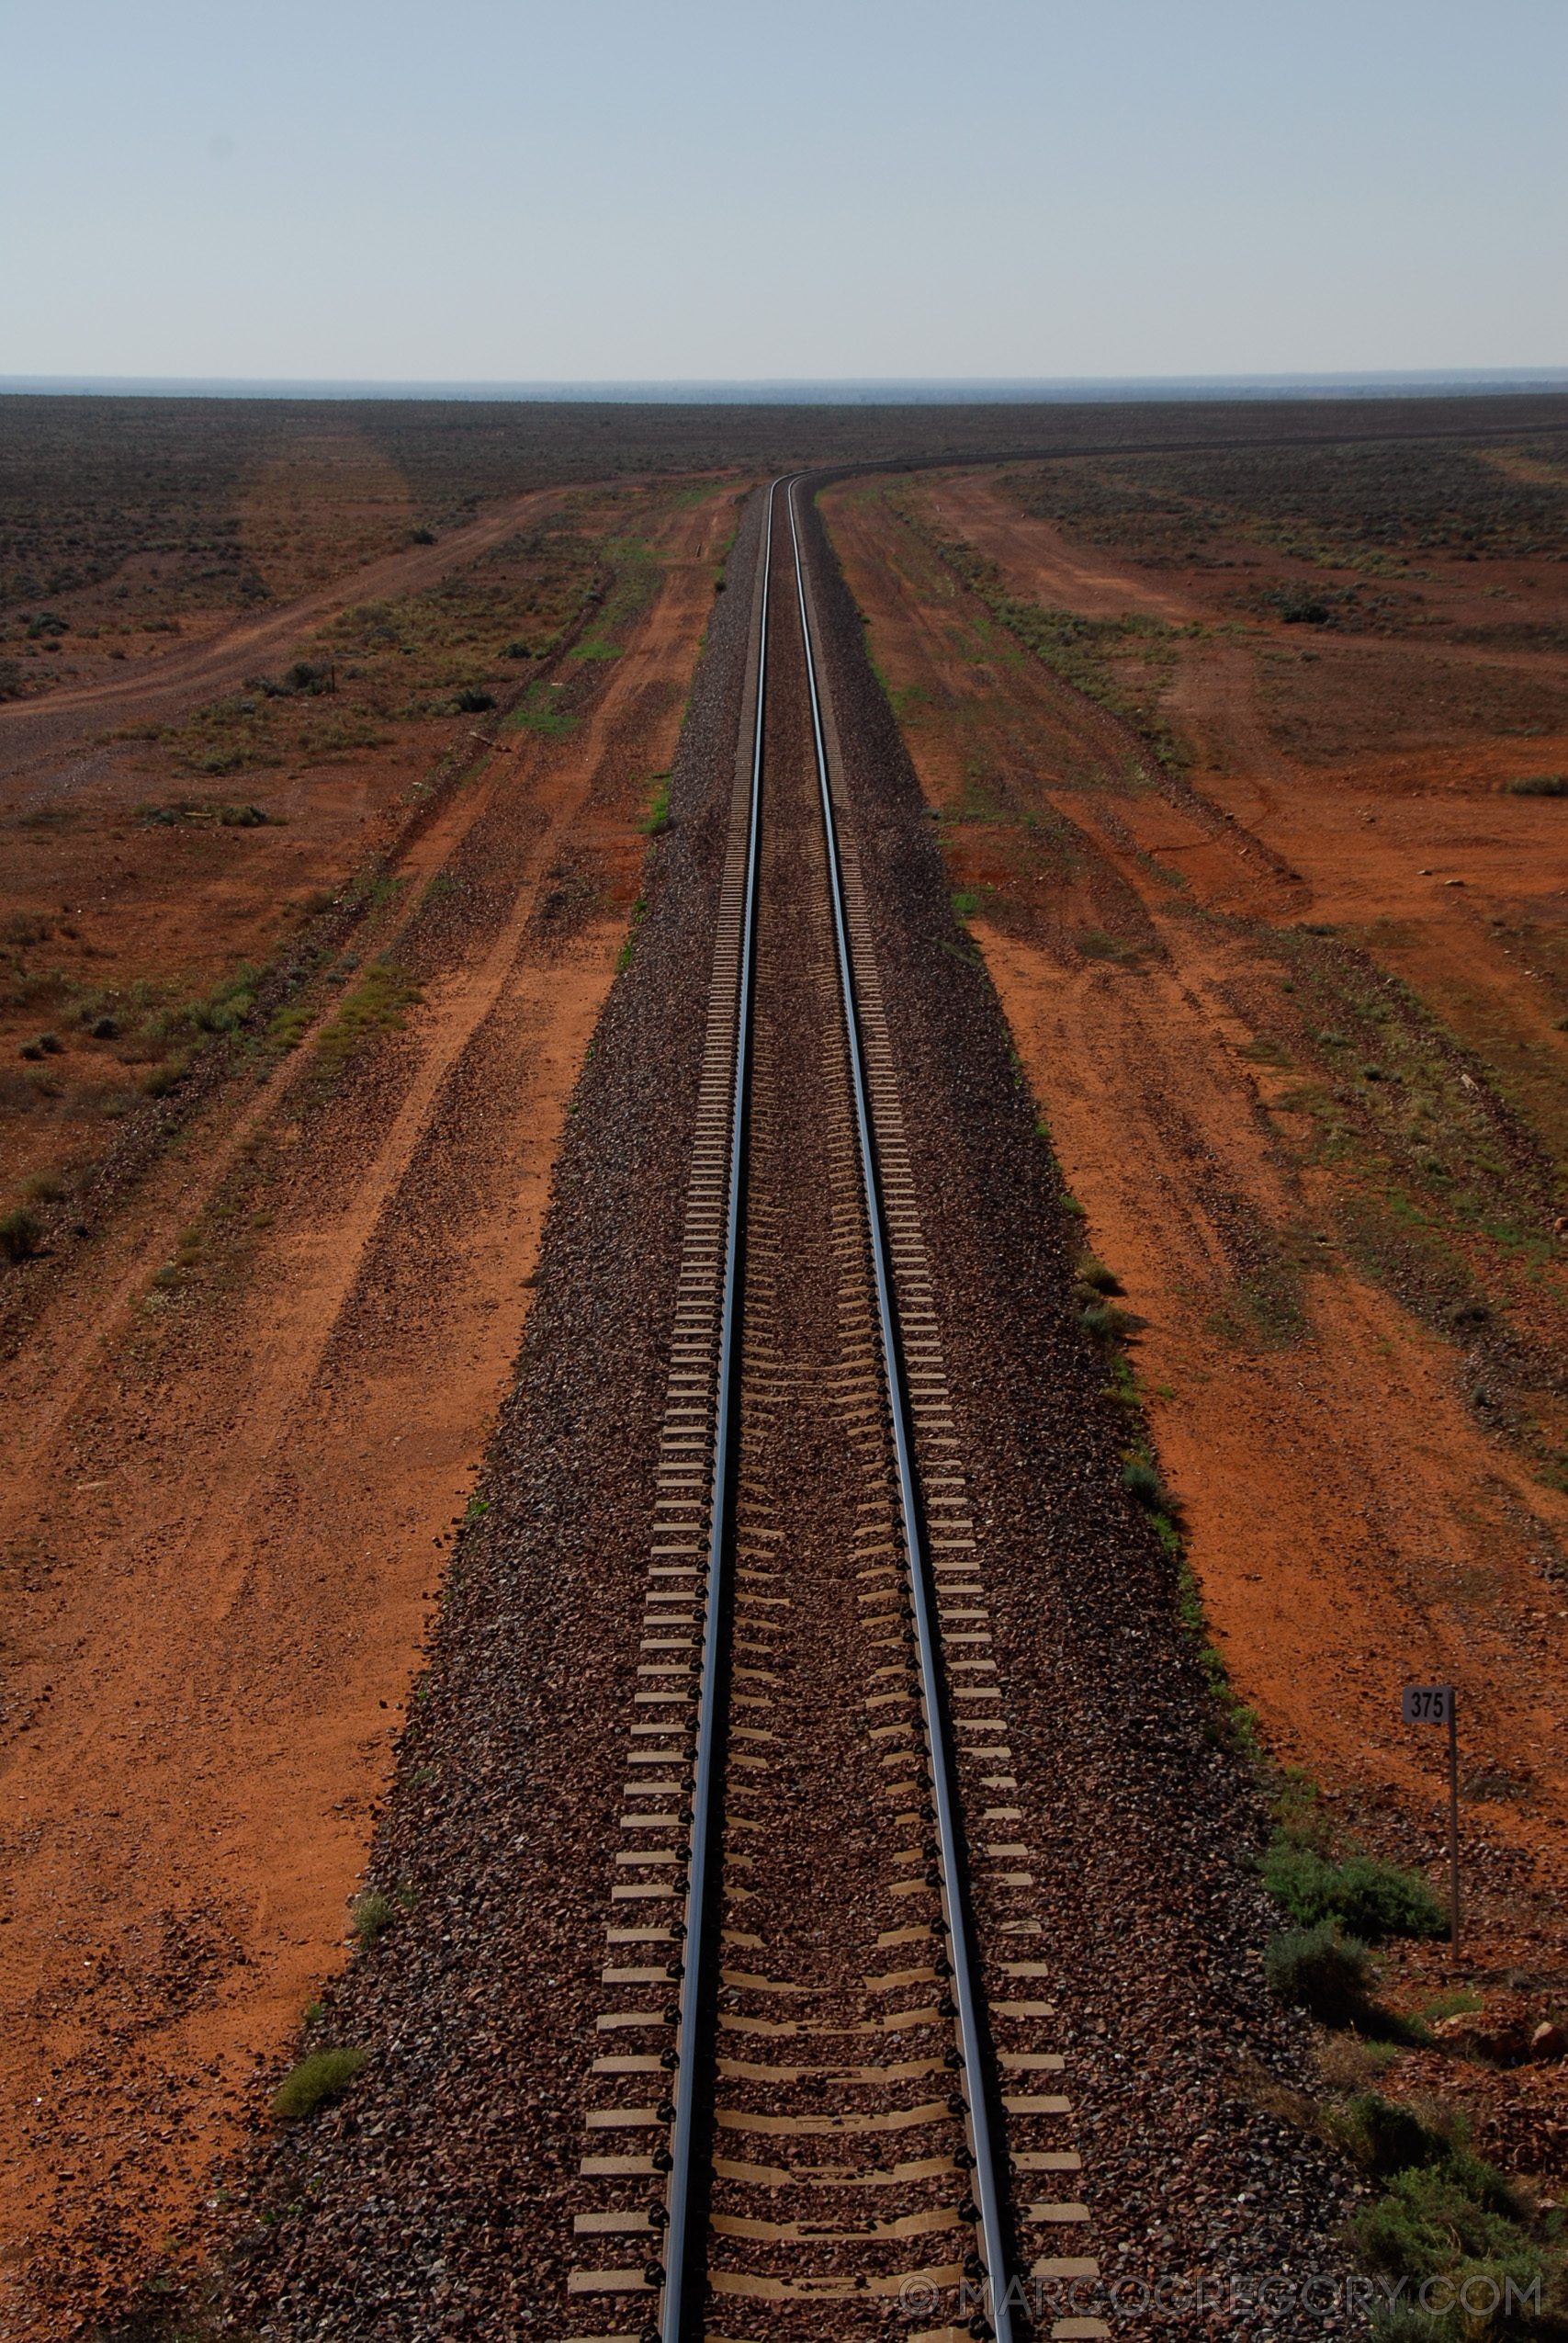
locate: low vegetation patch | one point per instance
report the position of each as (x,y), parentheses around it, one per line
(160,1080)
(372,1915)
(317,2081)
(1318,1970)
(657,818)
(1145,1487)
(1371,1898)
(194,812)
(1123,663)
(376,1005)
(1305,1873)
(1540,784)
(1105,1321)
(19,1234)
(1458,2249)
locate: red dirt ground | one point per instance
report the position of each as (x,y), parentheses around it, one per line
(221,1486)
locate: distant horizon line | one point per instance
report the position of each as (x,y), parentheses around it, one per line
(813,391)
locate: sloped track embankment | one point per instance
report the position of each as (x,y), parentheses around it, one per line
(436,2201)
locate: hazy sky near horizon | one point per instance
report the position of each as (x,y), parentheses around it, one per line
(497,190)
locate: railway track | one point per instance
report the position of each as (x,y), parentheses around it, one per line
(826,2100)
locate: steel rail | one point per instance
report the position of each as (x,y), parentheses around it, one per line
(983,2177)
(693,1982)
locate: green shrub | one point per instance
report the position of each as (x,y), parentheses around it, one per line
(1143,1484)
(658,819)
(1319,1970)
(19,1233)
(159,1081)
(1099,1279)
(373,1915)
(1446,2215)
(315,2082)
(1299,1812)
(1264,1050)
(472,700)
(1372,1899)
(289,1025)
(1386,2136)
(1540,784)
(43,1187)
(1104,1321)
(1458,2219)
(376,1005)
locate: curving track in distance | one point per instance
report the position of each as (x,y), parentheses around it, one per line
(820,2127)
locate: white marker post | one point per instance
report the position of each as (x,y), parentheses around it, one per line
(1438,1704)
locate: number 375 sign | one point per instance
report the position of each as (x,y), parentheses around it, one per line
(1438,1704)
(1428,1704)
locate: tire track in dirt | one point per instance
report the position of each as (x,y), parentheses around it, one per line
(31,728)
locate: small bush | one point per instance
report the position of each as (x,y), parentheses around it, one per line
(1300,1814)
(42,1044)
(1264,1050)
(1458,2219)
(1319,1970)
(104,1029)
(1540,784)
(1095,1274)
(422,536)
(1348,2062)
(472,700)
(19,1233)
(315,2082)
(1300,605)
(1104,1321)
(1373,1899)
(43,1187)
(372,1915)
(289,1025)
(517,650)
(658,819)
(159,1081)
(1144,1486)
(1385,2135)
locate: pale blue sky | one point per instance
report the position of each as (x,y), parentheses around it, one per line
(836,188)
